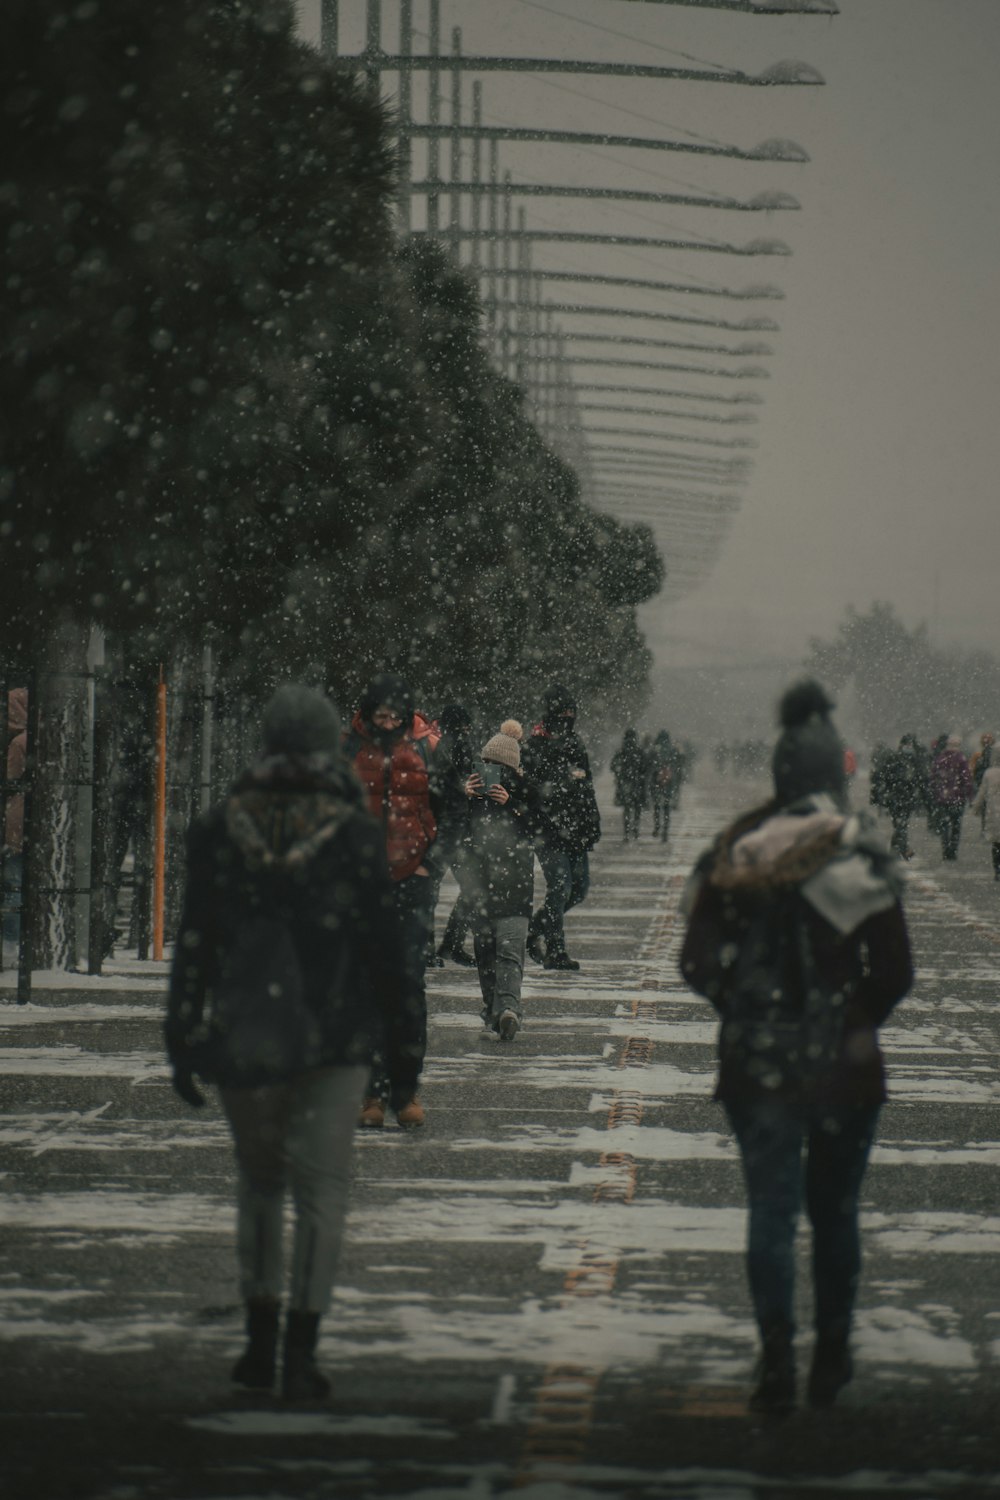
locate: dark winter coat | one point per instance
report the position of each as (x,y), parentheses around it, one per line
(560,768)
(950,781)
(664,769)
(293,852)
(902,785)
(395,773)
(498,868)
(866,969)
(630,769)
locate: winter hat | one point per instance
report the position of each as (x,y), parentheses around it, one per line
(391,691)
(557,699)
(503,749)
(453,718)
(512,728)
(298,720)
(809,756)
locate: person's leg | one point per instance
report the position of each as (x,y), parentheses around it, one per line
(412,898)
(258,1121)
(837,1156)
(995,852)
(510,935)
(769,1134)
(484,943)
(319,1140)
(558,883)
(579,872)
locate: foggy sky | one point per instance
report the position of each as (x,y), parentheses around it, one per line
(875,476)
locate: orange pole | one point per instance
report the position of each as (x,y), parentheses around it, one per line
(160,816)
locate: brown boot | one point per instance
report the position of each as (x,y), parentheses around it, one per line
(372,1113)
(411,1116)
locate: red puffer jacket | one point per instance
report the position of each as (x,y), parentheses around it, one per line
(397,788)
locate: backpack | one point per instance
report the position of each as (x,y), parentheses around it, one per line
(262,1030)
(783,1024)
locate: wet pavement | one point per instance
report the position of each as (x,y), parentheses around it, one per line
(542,1293)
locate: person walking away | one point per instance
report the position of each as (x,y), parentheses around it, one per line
(903,791)
(455,756)
(663,771)
(950,792)
(391,748)
(628,767)
(556,761)
(796,934)
(505,818)
(987,806)
(288,971)
(979,763)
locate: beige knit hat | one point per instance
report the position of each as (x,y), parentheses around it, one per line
(504,750)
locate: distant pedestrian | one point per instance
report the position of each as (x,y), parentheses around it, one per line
(556,760)
(630,770)
(288,972)
(664,783)
(903,790)
(391,748)
(950,791)
(797,937)
(504,820)
(987,805)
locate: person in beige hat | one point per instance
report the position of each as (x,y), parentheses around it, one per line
(504,819)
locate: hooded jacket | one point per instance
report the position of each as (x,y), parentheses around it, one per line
(395,772)
(292,845)
(950,782)
(806,864)
(988,803)
(559,766)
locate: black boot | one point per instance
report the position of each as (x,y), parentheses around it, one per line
(534,945)
(301,1380)
(831,1368)
(255,1367)
(775,1389)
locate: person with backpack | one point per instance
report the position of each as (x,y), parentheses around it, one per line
(950,791)
(288,972)
(796,934)
(391,748)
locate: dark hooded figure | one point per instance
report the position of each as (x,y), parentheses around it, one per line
(288,972)
(797,937)
(555,760)
(391,748)
(664,782)
(630,769)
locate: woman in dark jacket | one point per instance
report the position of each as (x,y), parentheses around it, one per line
(630,769)
(797,937)
(288,973)
(498,874)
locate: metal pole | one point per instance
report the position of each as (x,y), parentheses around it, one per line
(328,27)
(373,44)
(207,724)
(456,136)
(26,947)
(491,244)
(434,117)
(405,116)
(477,167)
(159,816)
(506,250)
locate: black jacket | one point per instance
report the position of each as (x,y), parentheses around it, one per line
(293,851)
(560,768)
(498,869)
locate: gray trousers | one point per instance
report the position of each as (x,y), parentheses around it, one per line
(298,1134)
(500,961)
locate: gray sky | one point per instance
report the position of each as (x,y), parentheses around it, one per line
(876,471)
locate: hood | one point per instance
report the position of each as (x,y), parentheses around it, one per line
(285,809)
(840,863)
(393,691)
(419,729)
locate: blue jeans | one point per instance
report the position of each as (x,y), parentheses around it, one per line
(770,1133)
(567,881)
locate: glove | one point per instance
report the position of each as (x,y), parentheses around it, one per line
(187,1089)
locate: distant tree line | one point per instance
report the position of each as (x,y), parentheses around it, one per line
(235,408)
(902,683)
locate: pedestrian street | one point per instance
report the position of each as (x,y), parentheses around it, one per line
(542,1293)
